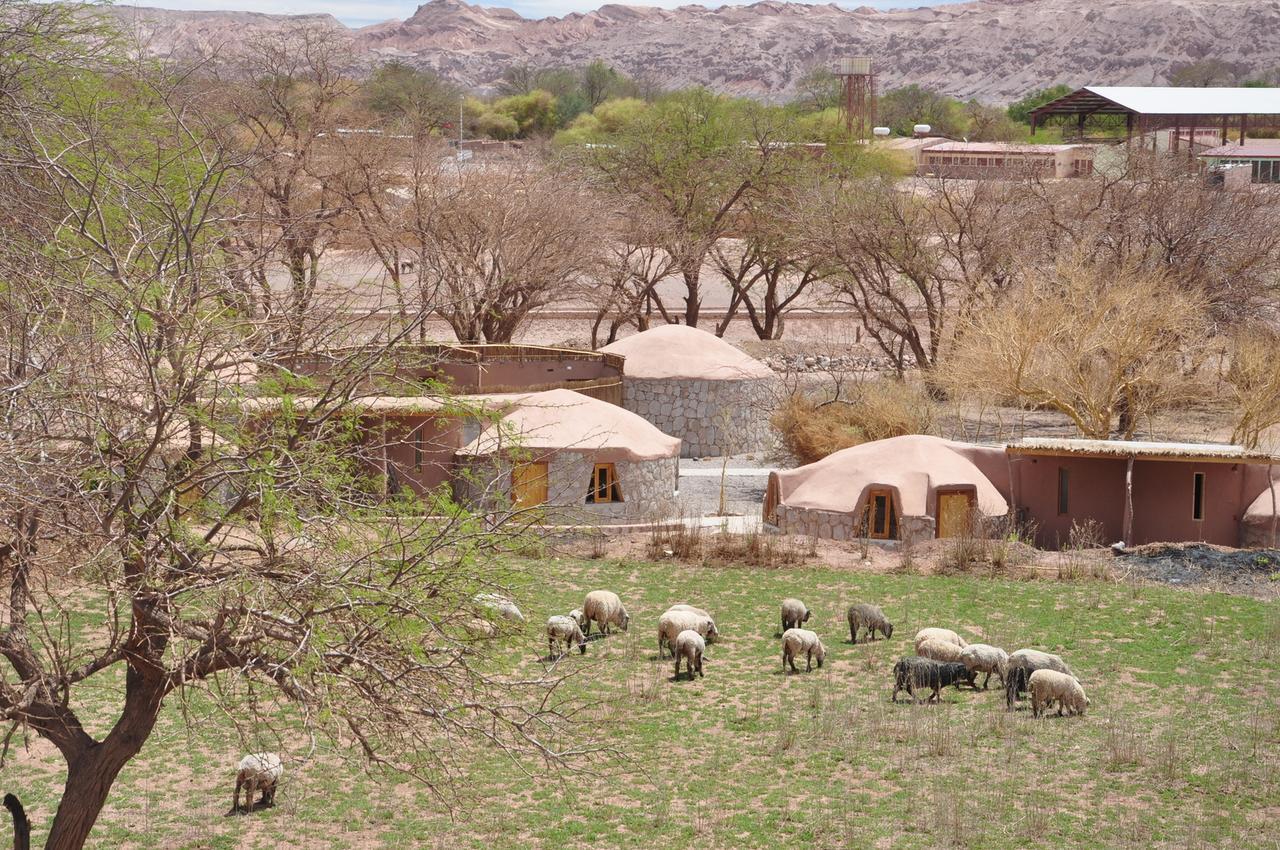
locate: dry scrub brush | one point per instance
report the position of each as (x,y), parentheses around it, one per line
(1107,347)
(812,427)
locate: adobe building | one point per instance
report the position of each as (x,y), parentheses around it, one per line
(914,486)
(572,459)
(693,385)
(1000,160)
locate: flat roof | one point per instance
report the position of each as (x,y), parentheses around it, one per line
(1204,452)
(1253,149)
(999,147)
(1164,100)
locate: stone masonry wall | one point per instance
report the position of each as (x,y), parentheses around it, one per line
(648,489)
(841,525)
(712,418)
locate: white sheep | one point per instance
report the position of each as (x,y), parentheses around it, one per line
(794,612)
(604,608)
(1021,665)
(673,623)
(797,641)
(690,608)
(690,646)
(939,650)
(984,658)
(504,607)
(561,628)
(257,772)
(944,635)
(1046,686)
(580,618)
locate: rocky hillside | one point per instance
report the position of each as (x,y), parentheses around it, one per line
(996,50)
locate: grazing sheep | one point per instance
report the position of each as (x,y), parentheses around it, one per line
(690,646)
(1049,685)
(913,672)
(869,617)
(794,612)
(561,628)
(691,609)
(938,650)
(501,604)
(944,635)
(581,619)
(257,772)
(604,608)
(1021,665)
(673,623)
(797,641)
(984,658)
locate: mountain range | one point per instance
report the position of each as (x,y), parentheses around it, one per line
(995,50)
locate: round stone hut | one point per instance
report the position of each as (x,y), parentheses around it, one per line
(570,459)
(904,487)
(693,385)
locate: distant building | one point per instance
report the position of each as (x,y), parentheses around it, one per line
(1256,161)
(1000,160)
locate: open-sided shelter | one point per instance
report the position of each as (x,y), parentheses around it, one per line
(1149,108)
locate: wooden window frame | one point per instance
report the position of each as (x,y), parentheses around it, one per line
(611,492)
(1197,496)
(418,448)
(1064,491)
(889,516)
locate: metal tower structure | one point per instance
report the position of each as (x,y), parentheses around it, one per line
(859,101)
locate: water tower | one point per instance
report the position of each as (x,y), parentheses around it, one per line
(859,101)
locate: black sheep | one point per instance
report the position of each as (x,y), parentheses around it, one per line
(914,672)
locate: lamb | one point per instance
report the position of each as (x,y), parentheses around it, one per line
(561,628)
(1049,685)
(504,607)
(604,608)
(1021,665)
(914,672)
(797,641)
(944,635)
(673,623)
(794,612)
(984,658)
(938,650)
(257,772)
(690,646)
(869,617)
(581,619)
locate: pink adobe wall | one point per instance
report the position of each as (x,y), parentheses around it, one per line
(441,438)
(1096,492)
(522,373)
(1162,497)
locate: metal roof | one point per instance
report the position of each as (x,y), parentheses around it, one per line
(999,147)
(1255,149)
(1164,100)
(1205,452)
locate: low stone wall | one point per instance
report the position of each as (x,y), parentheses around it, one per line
(840,525)
(648,489)
(712,418)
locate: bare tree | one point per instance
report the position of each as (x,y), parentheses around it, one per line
(1107,347)
(205,544)
(626,293)
(1253,382)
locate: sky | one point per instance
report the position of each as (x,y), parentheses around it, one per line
(355,13)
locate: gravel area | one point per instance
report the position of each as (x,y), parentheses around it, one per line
(745,483)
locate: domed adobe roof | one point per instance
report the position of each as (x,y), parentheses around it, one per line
(679,351)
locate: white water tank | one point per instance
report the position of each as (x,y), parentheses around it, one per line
(880,131)
(922,129)
(855,65)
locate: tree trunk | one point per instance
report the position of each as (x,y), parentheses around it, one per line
(89,781)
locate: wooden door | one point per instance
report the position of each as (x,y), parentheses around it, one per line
(955,513)
(881,522)
(528,485)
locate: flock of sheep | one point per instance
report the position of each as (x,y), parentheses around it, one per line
(942,657)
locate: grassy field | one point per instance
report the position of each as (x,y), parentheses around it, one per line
(1181,747)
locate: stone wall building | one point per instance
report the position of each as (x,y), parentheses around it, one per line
(693,385)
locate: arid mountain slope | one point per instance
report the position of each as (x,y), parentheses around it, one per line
(996,50)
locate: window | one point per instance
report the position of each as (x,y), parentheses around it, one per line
(604,485)
(1063,487)
(418,440)
(882,524)
(1197,497)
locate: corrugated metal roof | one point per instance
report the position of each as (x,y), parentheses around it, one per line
(1255,149)
(999,147)
(1221,452)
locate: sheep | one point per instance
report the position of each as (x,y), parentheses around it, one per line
(1021,665)
(796,641)
(690,646)
(257,772)
(944,635)
(984,658)
(869,617)
(501,604)
(689,608)
(938,650)
(794,612)
(914,672)
(604,608)
(1049,685)
(673,623)
(561,628)
(580,618)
